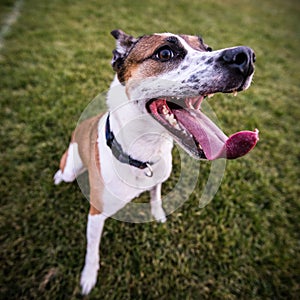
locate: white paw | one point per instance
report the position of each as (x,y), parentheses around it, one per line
(58,177)
(63,176)
(159,214)
(88,278)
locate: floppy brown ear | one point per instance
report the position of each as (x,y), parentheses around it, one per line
(124,44)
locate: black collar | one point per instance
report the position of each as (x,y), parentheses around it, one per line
(120,155)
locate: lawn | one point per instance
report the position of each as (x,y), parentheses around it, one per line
(243,245)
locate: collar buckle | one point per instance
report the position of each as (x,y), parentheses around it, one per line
(149,172)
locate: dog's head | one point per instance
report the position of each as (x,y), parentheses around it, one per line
(169,75)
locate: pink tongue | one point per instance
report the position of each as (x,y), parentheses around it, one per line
(213,141)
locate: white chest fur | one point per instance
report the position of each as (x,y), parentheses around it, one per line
(124,182)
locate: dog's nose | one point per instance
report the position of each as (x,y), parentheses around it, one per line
(240,58)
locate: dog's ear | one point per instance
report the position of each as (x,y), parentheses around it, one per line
(124,44)
(124,41)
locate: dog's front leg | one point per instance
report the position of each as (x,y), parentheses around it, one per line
(94,231)
(156,204)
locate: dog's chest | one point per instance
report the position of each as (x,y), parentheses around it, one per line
(125,182)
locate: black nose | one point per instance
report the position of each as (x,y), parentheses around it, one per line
(240,58)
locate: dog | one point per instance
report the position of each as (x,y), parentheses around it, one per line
(156,94)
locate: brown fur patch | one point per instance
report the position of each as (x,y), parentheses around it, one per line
(63,161)
(94,211)
(86,135)
(139,65)
(194,41)
(97,156)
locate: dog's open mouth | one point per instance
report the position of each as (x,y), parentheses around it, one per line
(195,132)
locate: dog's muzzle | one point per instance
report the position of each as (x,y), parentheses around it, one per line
(240,59)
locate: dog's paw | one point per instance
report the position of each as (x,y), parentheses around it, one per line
(159,214)
(63,176)
(88,278)
(58,177)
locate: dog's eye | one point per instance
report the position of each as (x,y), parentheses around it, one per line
(164,54)
(209,49)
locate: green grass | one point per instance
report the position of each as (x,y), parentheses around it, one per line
(243,245)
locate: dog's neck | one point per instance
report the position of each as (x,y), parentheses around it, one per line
(137,132)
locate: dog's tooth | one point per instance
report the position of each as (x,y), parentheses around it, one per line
(172,121)
(165,111)
(210,95)
(167,117)
(234,93)
(170,118)
(188,103)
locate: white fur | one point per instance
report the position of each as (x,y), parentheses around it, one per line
(89,273)
(156,204)
(73,167)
